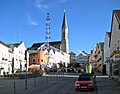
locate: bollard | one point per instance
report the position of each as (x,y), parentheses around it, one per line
(35,82)
(14,88)
(46,79)
(41,79)
(26,84)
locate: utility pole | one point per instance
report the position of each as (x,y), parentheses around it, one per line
(16,32)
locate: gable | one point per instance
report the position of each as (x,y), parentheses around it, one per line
(117,13)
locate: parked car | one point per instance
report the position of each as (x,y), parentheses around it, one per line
(84,83)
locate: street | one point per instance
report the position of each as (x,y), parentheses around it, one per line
(56,84)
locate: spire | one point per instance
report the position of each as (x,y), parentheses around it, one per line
(64,24)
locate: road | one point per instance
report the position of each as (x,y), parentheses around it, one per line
(60,84)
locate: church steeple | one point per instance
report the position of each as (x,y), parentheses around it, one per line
(64,45)
(64,24)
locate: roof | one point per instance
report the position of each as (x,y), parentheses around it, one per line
(101,45)
(117,15)
(117,12)
(72,53)
(14,45)
(3,43)
(32,51)
(109,34)
(55,44)
(64,24)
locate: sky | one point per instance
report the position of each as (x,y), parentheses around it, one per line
(25,20)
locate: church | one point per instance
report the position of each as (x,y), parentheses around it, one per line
(58,50)
(63,44)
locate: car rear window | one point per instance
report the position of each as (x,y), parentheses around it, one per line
(84,78)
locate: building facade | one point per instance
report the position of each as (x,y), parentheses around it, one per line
(99,57)
(5,59)
(107,52)
(38,57)
(41,56)
(115,44)
(18,59)
(83,58)
(72,57)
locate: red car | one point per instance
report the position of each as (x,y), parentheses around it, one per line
(84,83)
(89,74)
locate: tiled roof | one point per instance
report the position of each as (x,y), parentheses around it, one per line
(117,14)
(14,45)
(101,45)
(55,44)
(109,34)
(72,53)
(3,43)
(32,51)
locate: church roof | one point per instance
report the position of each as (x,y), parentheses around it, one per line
(55,44)
(117,15)
(64,24)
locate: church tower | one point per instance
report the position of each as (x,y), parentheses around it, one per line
(64,44)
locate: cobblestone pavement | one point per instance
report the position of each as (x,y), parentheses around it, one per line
(56,84)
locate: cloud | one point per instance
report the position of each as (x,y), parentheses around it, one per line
(45,5)
(31,21)
(40,4)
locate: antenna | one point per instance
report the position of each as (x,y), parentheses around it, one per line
(16,29)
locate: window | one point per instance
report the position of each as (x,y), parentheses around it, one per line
(33,60)
(118,45)
(41,60)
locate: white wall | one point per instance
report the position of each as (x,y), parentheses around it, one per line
(115,37)
(107,53)
(5,60)
(57,56)
(19,57)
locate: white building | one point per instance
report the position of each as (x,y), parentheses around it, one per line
(107,52)
(18,62)
(5,59)
(115,44)
(83,57)
(72,57)
(57,56)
